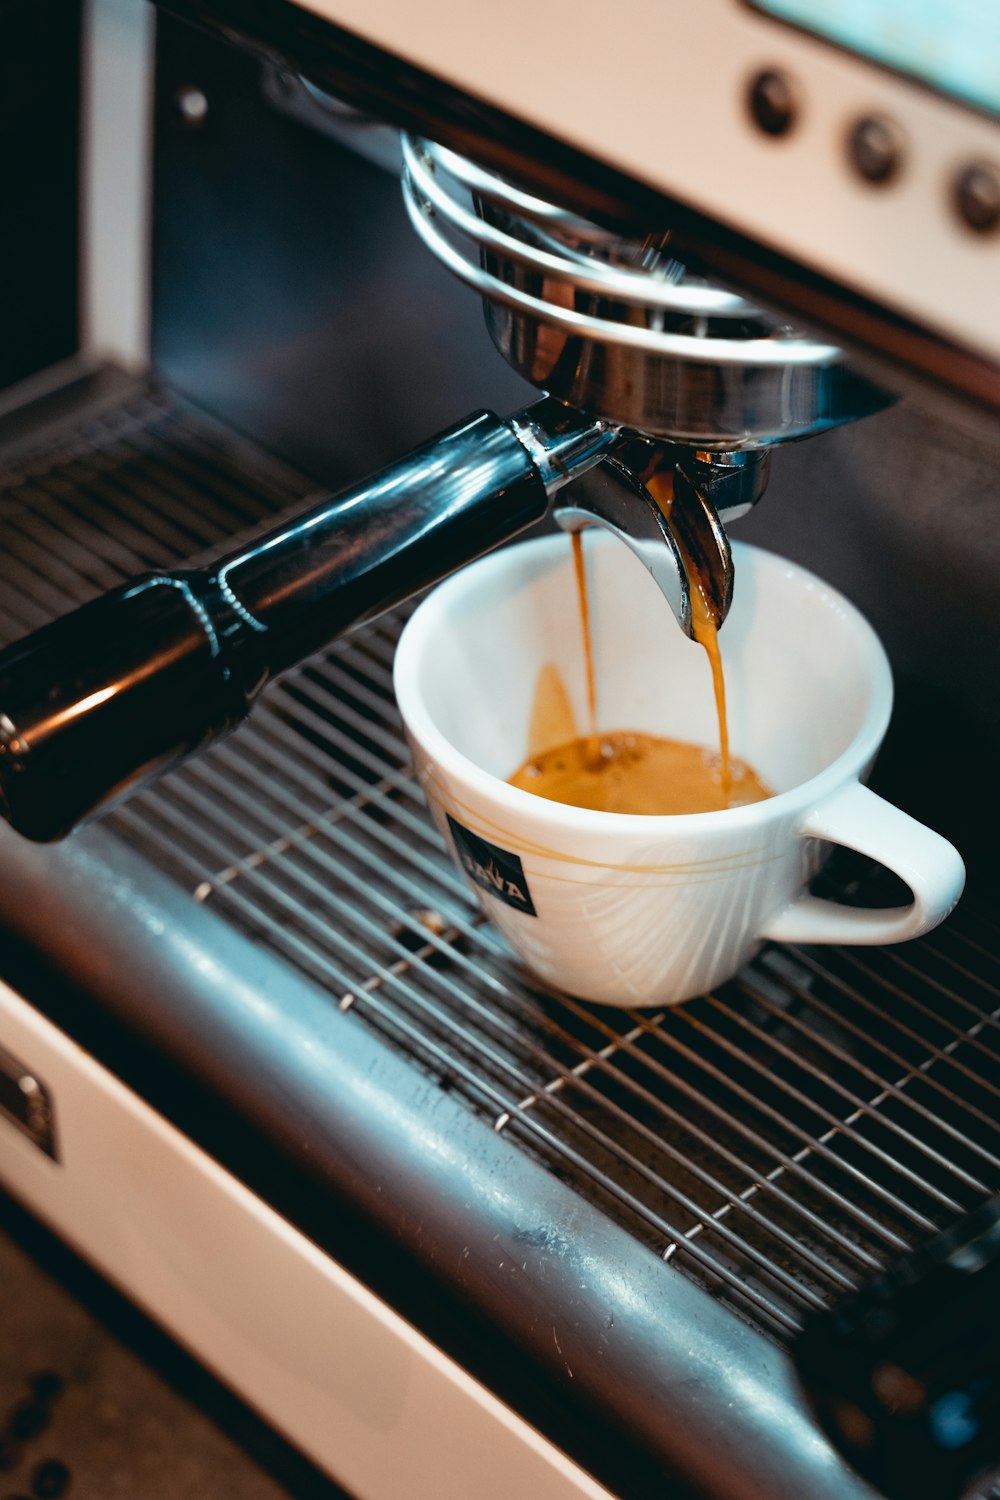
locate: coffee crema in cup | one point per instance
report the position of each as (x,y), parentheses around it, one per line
(624,771)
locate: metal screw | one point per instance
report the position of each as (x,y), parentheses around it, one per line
(191,104)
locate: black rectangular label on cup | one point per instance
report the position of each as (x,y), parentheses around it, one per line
(493,869)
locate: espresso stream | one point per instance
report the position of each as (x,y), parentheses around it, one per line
(623,771)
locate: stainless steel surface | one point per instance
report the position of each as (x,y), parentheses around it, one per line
(627,1352)
(612,498)
(618,327)
(683,543)
(734,481)
(772,1143)
(593,472)
(562,443)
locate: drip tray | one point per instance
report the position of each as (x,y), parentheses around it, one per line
(774,1142)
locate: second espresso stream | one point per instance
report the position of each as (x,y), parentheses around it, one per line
(622,770)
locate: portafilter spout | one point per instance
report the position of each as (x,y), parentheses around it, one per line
(668,507)
(104,700)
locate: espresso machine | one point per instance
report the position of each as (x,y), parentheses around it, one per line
(261,1062)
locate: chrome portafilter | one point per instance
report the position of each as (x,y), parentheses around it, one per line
(697,380)
(664,396)
(617,327)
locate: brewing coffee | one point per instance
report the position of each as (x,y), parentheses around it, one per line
(660,485)
(650,911)
(638,773)
(625,771)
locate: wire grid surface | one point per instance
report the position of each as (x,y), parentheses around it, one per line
(776,1141)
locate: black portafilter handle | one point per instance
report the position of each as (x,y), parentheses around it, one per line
(904,1374)
(106,698)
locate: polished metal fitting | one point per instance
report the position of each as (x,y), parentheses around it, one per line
(619,328)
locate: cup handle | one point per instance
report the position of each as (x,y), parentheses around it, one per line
(861,820)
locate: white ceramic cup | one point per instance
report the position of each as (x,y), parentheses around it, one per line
(633,910)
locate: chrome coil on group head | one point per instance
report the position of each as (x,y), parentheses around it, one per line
(617,326)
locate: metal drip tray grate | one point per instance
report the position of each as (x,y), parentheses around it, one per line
(776,1141)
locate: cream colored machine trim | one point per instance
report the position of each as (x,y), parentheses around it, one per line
(360,1391)
(117,148)
(659,90)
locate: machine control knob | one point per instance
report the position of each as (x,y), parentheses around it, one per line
(875,146)
(976,196)
(772,101)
